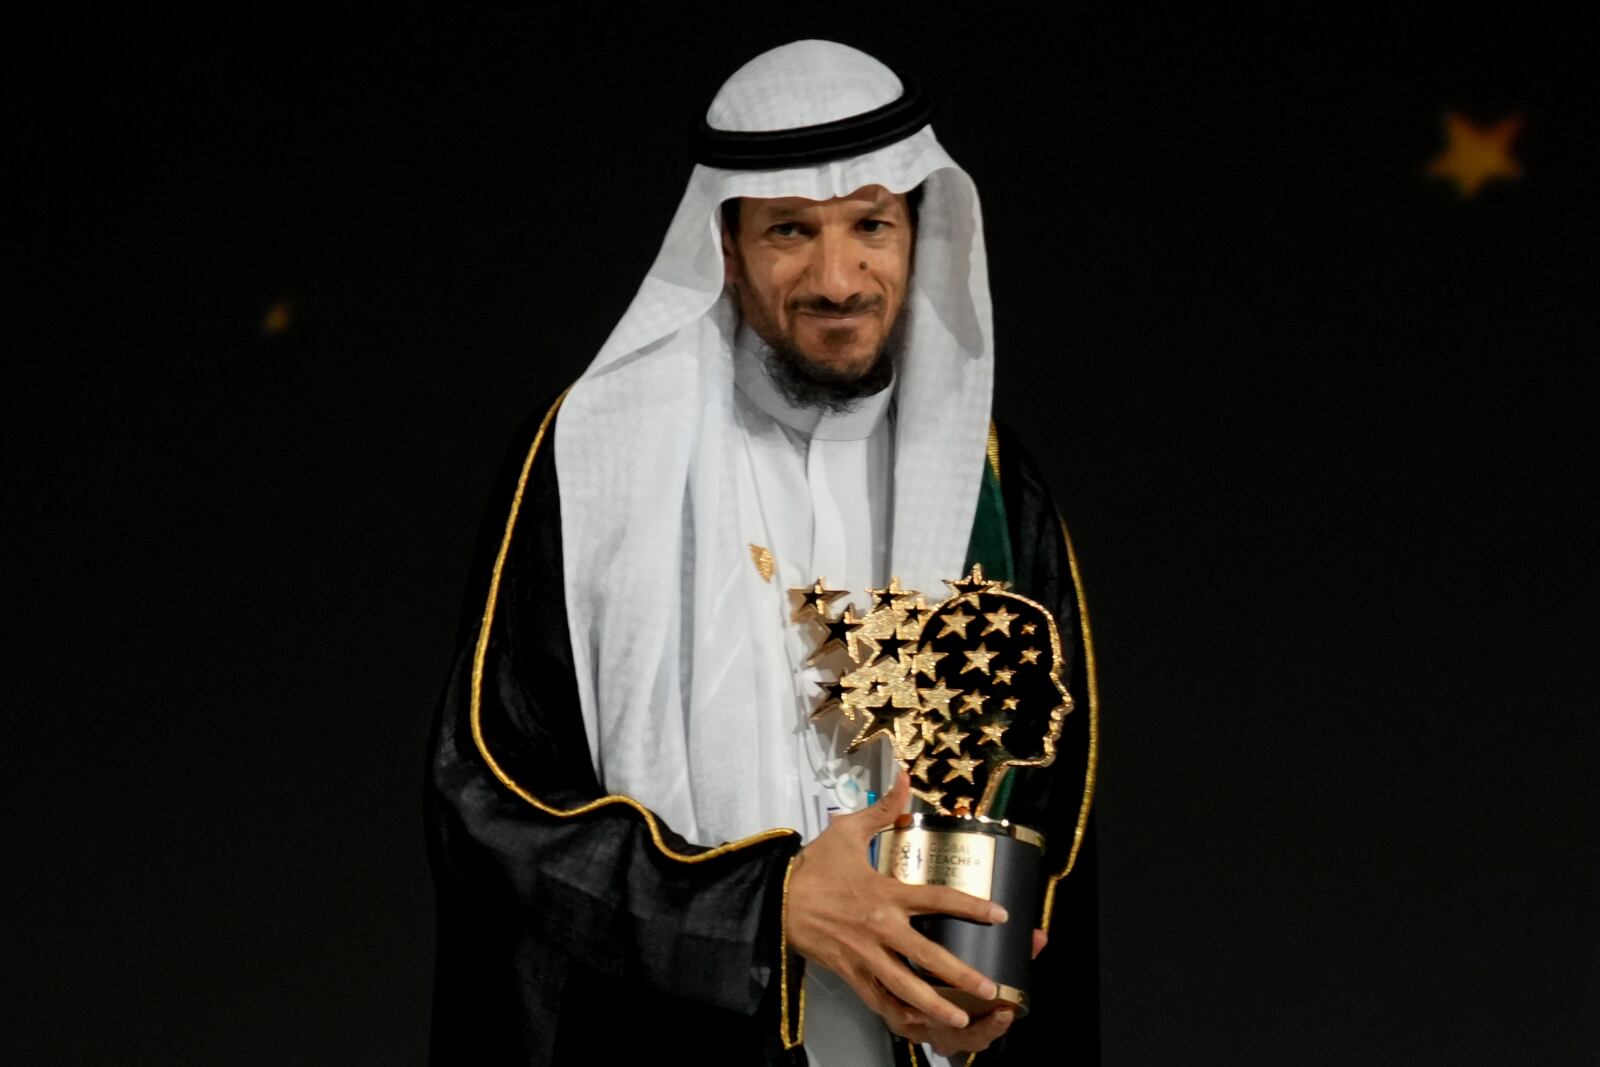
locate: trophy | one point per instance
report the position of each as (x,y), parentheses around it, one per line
(963,691)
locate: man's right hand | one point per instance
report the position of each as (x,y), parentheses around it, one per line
(845,916)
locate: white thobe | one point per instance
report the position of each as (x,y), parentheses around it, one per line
(825,485)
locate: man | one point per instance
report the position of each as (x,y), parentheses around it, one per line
(642,842)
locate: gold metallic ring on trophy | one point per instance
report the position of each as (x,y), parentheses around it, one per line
(965,691)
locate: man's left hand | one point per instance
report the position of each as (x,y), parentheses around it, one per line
(978,1034)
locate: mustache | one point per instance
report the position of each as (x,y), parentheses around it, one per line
(821,305)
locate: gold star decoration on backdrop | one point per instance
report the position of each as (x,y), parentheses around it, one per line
(278,319)
(1475,155)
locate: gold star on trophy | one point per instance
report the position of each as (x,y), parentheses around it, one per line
(838,632)
(813,601)
(888,595)
(956,623)
(832,697)
(916,610)
(939,697)
(968,588)
(961,767)
(925,663)
(978,659)
(950,740)
(999,622)
(881,719)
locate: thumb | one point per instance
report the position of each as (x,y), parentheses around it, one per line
(889,807)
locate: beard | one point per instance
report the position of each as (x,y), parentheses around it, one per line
(806,383)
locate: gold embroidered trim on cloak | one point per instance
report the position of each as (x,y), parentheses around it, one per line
(799,1034)
(994,450)
(1094,726)
(917,1058)
(476,713)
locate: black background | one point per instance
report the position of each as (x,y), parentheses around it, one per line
(1320,427)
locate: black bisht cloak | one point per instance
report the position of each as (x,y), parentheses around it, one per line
(576,928)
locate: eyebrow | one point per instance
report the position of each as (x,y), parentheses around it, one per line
(788,211)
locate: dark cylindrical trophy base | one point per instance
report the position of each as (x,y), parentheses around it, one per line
(994,860)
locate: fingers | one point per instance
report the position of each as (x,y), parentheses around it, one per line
(942,900)
(1040,939)
(898,979)
(889,807)
(941,962)
(898,1015)
(980,1035)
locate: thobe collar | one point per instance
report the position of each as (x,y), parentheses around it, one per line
(853,424)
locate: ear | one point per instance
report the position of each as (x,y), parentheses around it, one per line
(730,267)
(911,224)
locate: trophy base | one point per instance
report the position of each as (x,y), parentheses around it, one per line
(977,1007)
(996,861)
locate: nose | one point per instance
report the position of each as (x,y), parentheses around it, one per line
(835,273)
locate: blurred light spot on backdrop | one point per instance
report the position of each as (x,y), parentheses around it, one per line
(278,319)
(1475,155)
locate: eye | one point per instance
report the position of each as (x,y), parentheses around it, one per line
(784,229)
(874,225)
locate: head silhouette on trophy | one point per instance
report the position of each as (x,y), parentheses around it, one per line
(964,691)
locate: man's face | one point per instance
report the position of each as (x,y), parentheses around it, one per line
(823,282)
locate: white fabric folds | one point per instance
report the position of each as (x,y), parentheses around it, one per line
(677,639)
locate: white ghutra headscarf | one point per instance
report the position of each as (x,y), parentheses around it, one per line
(687,694)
